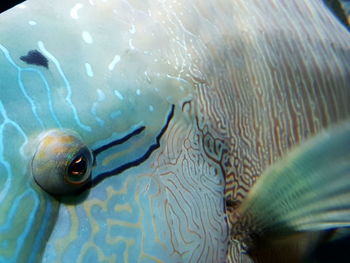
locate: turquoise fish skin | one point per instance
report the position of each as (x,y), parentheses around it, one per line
(248,80)
(114,87)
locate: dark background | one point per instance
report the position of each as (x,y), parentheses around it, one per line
(6,4)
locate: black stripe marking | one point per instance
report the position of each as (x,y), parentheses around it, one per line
(117,142)
(99,178)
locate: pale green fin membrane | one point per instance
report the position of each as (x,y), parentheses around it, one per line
(309,190)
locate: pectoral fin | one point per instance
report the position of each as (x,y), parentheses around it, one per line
(309,190)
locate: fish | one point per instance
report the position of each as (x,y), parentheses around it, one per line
(147,131)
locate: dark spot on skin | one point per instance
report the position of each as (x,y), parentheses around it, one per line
(232,204)
(34,57)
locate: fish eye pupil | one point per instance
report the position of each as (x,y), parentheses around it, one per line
(77,167)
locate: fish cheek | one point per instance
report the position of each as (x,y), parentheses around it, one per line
(27,214)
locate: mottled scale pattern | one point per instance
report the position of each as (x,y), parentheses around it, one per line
(271,88)
(265,83)
(186,175)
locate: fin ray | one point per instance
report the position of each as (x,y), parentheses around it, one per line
(309,190)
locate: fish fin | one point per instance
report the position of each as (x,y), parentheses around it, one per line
(309,190)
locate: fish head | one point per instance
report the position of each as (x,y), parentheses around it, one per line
(102,90)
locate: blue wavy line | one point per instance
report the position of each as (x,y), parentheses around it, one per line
(6,121)
(8,57)
(41,234)
(69,88)
(5,190)
(30,221)
(29,99)
(49,99)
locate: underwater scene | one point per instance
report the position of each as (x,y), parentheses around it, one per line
(174,131)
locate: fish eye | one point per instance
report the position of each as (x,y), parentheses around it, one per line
(76,170)
(61,163)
